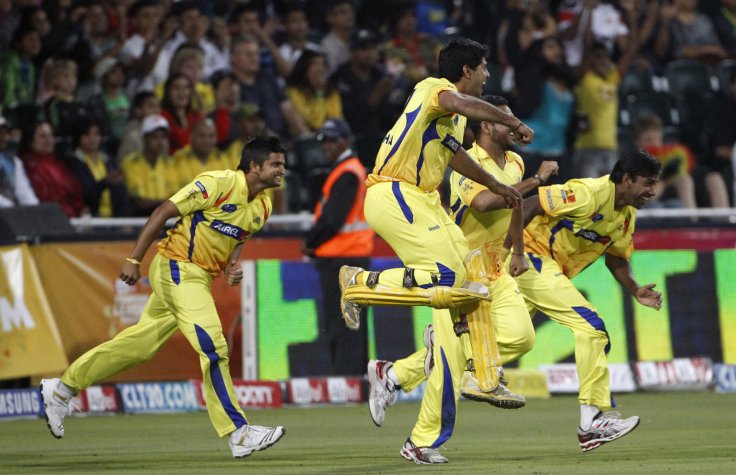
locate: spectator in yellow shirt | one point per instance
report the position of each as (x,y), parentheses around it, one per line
(314,96)
(201,155)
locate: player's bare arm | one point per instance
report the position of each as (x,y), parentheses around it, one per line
(645,294)
(487,201)
(466,166)
(532,208)
(131,272)
(233,272)
(475,108)
(518,264)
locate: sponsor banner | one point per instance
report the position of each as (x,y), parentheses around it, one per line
(308,391)
(677,374)
(249,393)
(159,397)
(342,390)
(725,378)
(563,378)
(29,338)
(98,400)
(414,395)
(20,403)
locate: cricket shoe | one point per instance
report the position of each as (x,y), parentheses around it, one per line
(249,439)
(421,455)
(56,404)
(500,397)
(383,392)
(350,311)
(606,427)
(429,344)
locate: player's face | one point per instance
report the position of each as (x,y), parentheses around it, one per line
(501,134)
(478,77)
(272,171)
(640,190)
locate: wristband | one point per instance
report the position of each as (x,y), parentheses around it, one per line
(133,261)
(539,179)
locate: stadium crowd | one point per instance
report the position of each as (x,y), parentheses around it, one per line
(111,106)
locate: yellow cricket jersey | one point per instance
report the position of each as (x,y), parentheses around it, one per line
(189,165)
(143,180)
(216,217)
(484,227)
(421,143)
(580,224)
(598,98)
(98,168)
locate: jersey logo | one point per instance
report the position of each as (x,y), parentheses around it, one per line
(567,196)
(229,208)
(201,187)
(593,236)
(596,217)
(451,144)
(257,220)
(229,230)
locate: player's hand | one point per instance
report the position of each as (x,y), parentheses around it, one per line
(518,265)
(646,295)
(547,169)
(510,194)
(130,273)
(523,134)
(233,273)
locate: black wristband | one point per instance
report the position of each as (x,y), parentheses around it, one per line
(539,179)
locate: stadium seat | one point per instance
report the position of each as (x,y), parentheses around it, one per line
(295,193)
(724,71)
(636,80)
(308,154)
(685,75)
(366,147)
(655,103)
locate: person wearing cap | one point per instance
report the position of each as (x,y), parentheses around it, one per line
(150,174)
(15,188)
(201,154)
(340,237)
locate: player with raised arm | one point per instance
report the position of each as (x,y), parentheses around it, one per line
(219,211)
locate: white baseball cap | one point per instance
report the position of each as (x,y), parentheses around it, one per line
(3,122)
(154,122)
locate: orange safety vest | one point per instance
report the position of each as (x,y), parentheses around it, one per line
(355,238)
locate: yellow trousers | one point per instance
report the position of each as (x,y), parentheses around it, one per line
(181,299)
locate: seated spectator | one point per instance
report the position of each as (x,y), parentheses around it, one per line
(61,109)
(313,94)
(141,50)
(201,154)
(150,175)
(296,28)
(110,109)
(677,165)
(336,44)
(408,53)
(15,189)
(686,34)
(227,103)
(177,108)
(102,182)
(144,104)
(189,61)
(51,179)
(17,70)
(248,123)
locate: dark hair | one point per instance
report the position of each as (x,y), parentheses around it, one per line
(243,8)
(26,138)
(458,53)
(142,97)
(180,8)
(635,164)
(474,125)
(166,101)
(139,5)
(82,128)
(291,7)
(220,75)
(257,151)
(298,77)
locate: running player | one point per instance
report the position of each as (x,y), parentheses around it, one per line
(219,212)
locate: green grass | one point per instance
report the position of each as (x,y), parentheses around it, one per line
(679,433)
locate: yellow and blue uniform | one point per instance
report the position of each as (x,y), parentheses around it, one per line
(402,203)
(514,330)
(153,182)
(580,223)
(216,216)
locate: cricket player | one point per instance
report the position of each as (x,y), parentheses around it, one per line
(485,221)
(219,211)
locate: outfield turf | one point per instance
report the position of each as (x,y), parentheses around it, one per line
(679,433)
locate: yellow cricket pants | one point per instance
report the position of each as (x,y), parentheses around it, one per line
(515,337)
(181,298)
(547,289)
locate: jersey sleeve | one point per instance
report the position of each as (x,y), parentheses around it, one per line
(465,188)
(624,247)
(198,195)
(572,199)
(433,101)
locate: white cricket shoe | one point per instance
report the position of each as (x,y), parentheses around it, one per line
(606,427)
(429,344)
(249,439)
(56,405)
(383,391)
(350,311)
(421,455)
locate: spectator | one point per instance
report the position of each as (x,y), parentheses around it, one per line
(336,44)
(296,28)
(314,95)
(246,20)
(524,23)
(248,123)
(202,154)
(15,189)
(364,86)
(725,25)
(18,71)
(61,109)
(189,60)
(102,182)
(410,54)
(686,34)
(51,179)
(177,108)
(150,174)
(144,104)
(140,52)
(227,103)
(111,108)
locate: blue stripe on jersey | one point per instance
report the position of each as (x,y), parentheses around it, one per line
(218,383)
(455,206)
(197,218)
(447,275)
(410,118)
(595,321)
(536,261)
(175,275)
(563,224)
(460,214)
(429,135)
(396,188)
(448,404)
